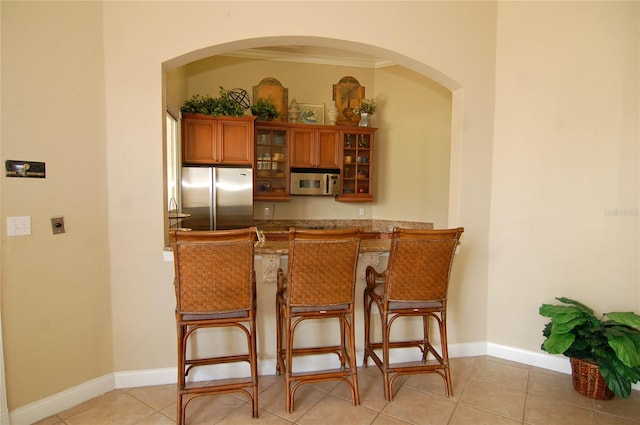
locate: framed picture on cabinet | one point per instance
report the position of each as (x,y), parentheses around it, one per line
(311,113)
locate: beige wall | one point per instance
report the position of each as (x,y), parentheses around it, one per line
(544,142)
(56,306)
(565,178)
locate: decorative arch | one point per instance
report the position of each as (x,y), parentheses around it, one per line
(393,57)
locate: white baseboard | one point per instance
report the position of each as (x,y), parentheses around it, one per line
(147,377)
(531,358)
(64,400)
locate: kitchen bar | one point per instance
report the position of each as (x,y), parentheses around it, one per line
(272,254)
(374,242)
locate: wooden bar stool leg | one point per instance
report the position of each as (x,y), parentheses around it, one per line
(367,327)
(425,333)
(352,361)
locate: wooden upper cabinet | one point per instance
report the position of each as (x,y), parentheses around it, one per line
(217,140)
(236,141)
(315,148)
(198,139)
(357,164)
(272,162)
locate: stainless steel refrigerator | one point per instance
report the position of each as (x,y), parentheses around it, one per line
(217,198)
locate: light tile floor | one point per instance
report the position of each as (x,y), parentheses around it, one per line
(487,391)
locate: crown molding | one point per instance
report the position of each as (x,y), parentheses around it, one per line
(353,61)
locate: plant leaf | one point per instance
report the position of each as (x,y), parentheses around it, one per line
(568,326)
(558,343)
(626,318)
(549,310)
(615,381)
(579,305)
(625,349)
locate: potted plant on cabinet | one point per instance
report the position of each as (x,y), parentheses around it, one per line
(605,348)
(365,110)
(264,110)
(224,105)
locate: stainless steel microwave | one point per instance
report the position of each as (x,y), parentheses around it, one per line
(315,181)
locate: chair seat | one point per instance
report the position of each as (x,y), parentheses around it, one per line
(408,305)
(215,316)
(319,309)
(314,308)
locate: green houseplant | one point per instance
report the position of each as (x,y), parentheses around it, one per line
(224,105)
(612,341)
(264,110)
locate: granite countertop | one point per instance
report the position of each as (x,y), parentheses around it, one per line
(372,226)
(282,247)
(366,245)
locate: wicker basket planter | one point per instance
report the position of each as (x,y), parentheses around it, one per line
(611,342)
(588,380)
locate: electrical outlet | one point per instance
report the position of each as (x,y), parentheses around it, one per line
(267,211)
(57,225)
(361,212)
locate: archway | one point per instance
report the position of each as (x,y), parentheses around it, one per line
(374,51)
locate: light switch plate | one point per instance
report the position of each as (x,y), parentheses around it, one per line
(19,226)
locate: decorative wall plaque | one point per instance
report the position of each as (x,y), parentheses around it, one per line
(348,94)
(271,90)
(32,169)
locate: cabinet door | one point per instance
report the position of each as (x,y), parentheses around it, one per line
(198,141)
(236,142)
(311,148)
(271,171)
(357,165)
(301,148)
(328,149)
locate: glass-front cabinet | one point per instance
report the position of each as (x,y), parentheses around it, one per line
(280,146)
(272,167)
(357,165)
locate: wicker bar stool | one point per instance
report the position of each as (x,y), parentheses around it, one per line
(413,285)
(319,284)
(215,288)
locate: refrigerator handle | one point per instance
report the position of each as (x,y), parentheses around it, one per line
(213,217)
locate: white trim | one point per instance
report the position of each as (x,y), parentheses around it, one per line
(531,358)
(4,408)
(147,377)
(64,400)
(167,256)
(280,56)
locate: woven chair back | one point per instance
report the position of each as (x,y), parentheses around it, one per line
(322,266)
(420,264)
(213,270)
